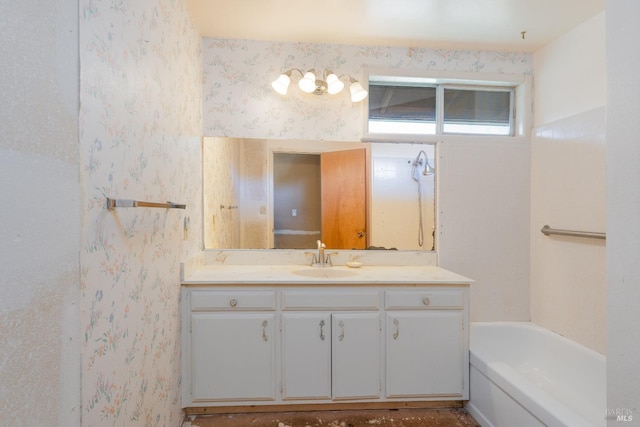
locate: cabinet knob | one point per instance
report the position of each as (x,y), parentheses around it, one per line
(426,301)
(233,302)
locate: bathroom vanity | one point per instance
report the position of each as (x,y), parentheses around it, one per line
(260,335)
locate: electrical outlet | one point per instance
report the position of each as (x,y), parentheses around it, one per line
(294,212)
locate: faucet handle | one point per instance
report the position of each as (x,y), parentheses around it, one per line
(329,260)
(314,259)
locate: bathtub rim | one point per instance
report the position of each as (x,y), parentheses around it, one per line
(540,404)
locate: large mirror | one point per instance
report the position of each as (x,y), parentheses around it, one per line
(287,194)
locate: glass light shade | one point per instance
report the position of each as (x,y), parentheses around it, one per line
(357,92)
(334,85)
(281,84)
(308,82)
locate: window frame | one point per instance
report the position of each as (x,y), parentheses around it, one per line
(440,107)
(517,85)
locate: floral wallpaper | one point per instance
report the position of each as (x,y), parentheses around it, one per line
(238,100)
(221,169)
(140,133)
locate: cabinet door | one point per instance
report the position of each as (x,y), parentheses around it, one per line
(424,353)
(356,356)
(233,356)
(306,354)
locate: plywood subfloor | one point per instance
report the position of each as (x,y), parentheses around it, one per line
(370,418)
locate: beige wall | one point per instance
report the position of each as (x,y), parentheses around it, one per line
(568,185)
(40,214)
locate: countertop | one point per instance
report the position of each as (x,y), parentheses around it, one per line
(309,275)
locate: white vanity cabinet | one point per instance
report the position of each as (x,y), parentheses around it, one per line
(426,343)
(331,344)
(232,345)
(298,344)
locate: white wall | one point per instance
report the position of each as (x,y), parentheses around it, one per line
(623,208)
(483,222)
(570,73)
(395,213)
(568,184)
(40,214)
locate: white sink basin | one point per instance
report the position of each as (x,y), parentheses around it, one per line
(324,272)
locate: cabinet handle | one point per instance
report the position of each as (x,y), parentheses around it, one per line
(396,322)
(426,301)
(341,336)
(321,331)
(264,330)
(233,302)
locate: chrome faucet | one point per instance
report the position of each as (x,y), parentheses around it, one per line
(321,259)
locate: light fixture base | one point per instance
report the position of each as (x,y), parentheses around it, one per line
(321,88)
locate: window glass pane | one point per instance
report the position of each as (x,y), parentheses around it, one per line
(402,109)
(477,111)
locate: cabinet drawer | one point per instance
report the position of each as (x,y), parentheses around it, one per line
(330,300)
(233,300)
(424,299)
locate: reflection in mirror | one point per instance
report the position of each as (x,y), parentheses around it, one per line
(245,206)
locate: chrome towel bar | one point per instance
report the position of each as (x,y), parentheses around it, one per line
(123,203)
(546,230)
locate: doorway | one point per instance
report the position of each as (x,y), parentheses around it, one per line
(320,197)
(296,200)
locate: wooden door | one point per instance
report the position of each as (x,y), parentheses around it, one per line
(343,189)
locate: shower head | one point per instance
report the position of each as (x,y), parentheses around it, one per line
(428,169)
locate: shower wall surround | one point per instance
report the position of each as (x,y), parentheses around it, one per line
(140,127)
(568,180)
(568,286)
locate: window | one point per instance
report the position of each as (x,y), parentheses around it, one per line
(402,109)
(477,111)
(433,109)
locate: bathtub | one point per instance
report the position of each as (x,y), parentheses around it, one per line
(524,375)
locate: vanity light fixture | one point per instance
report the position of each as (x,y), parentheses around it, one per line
(327,83)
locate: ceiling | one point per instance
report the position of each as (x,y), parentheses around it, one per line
(450,24)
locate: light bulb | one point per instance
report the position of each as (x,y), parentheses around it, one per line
(281,84)
(308,82)
(334,85)
(357,92)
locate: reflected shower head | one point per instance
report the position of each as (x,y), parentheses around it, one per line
(428,169)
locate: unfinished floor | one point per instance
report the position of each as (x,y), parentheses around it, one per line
(455,417)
